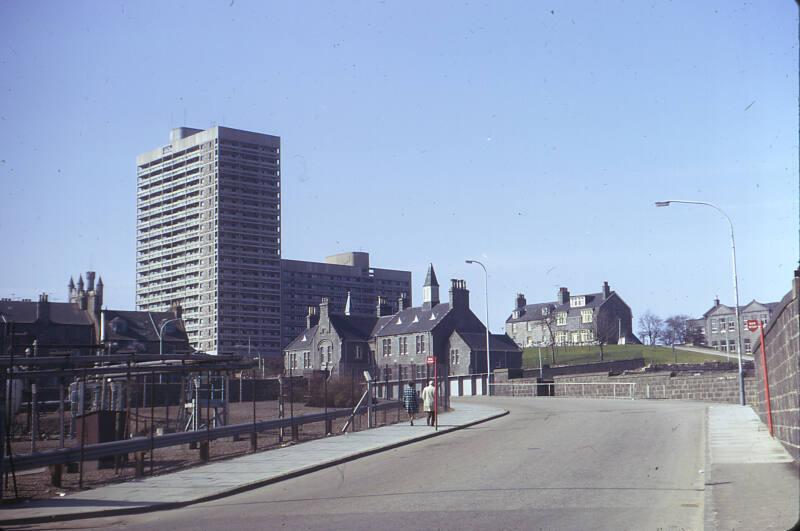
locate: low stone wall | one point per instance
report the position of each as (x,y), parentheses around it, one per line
(782,338)
(707,386)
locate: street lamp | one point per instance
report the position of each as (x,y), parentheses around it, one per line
(735,285)
(488,362)
(161,335)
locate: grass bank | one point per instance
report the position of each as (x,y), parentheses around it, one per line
(578,355)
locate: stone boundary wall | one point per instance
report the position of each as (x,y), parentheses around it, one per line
(782,338)
(709,386)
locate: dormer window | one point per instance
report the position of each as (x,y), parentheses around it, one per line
(416,319)
(545,311)
(515,314)
(577,302)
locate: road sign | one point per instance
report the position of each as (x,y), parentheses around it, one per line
(431,360)
(752,325)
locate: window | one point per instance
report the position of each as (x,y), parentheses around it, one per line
(403,346)
(420,344)
(574,337)
(586,316)
(454,358)
(328,350)
(529,341)
(514,328)
(387,347)
(747,346)
(293,360)
(731,325)
(590,335)
(306,360)
(529,326)
(715,345)
(713,326)
(561,318)
(545,311)
(577,302)
(359,352)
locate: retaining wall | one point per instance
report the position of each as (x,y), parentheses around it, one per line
(782,338)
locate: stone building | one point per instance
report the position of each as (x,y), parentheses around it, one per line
(585,319)
(717,327)
(83,326)
(395,341)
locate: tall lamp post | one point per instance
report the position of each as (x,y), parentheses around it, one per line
(488,361)
(161,335)
(735,285)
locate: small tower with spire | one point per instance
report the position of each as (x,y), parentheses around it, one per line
(430,290)
(347,304)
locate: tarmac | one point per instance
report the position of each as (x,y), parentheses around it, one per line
(750,481)
(232,476)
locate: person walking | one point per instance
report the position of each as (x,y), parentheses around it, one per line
(427,403)
(410,401)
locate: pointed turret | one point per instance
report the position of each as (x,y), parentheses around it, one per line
(347,304)
(71,284)
(430,290)
(100,285)
(80,283)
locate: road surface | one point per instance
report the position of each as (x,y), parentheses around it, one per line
(550,464)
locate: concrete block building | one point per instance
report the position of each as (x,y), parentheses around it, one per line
(394,342)
(584,319)
(208,237)
(343,275)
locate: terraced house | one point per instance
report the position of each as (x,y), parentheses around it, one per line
(585,319)
(395,341)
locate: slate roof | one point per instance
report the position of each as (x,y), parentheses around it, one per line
(477,341)
(60,312)
(358,327)
(299,343)
(142,326)
(414,320)
(533,312)
(430,278)
(732,309)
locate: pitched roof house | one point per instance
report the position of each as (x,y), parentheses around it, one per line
(395,342)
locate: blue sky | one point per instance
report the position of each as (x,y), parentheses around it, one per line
(532,136)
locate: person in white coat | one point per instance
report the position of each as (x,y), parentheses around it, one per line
(427,403)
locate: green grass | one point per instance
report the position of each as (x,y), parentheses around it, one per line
(578,355)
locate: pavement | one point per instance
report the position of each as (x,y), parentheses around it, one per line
(713,352)
(225,478)
(751,480)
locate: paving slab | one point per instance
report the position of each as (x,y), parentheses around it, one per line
(751,480)
(224,478)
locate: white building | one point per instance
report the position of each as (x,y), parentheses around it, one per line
(208,237)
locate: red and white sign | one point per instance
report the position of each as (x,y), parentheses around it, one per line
(752,325)
(431,360)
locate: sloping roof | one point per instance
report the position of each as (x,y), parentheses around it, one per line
(533,312)
(351,327)
(477,341)
(60,312)
(414,320)
(430,278)
(304,340)
(141,326)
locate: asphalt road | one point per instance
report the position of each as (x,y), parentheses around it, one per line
(550,464)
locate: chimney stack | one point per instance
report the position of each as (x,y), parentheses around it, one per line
(43,309)
(313,317)
(459,294)
(716,302)
(521,303)
(606,290)
(563,296)
(402,302)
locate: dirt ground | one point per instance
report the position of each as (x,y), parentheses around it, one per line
(37,483)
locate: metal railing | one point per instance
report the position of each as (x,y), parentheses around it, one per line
(91,452)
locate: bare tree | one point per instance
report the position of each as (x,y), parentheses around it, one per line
(650,327)
(675,329)
(694,334)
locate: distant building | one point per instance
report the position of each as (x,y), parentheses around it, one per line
(717,327)
(585,319)
(396,342)
(305,284)
(82,325)
(208,237)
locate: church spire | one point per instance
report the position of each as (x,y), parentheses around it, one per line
(347,304)
(430,290)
